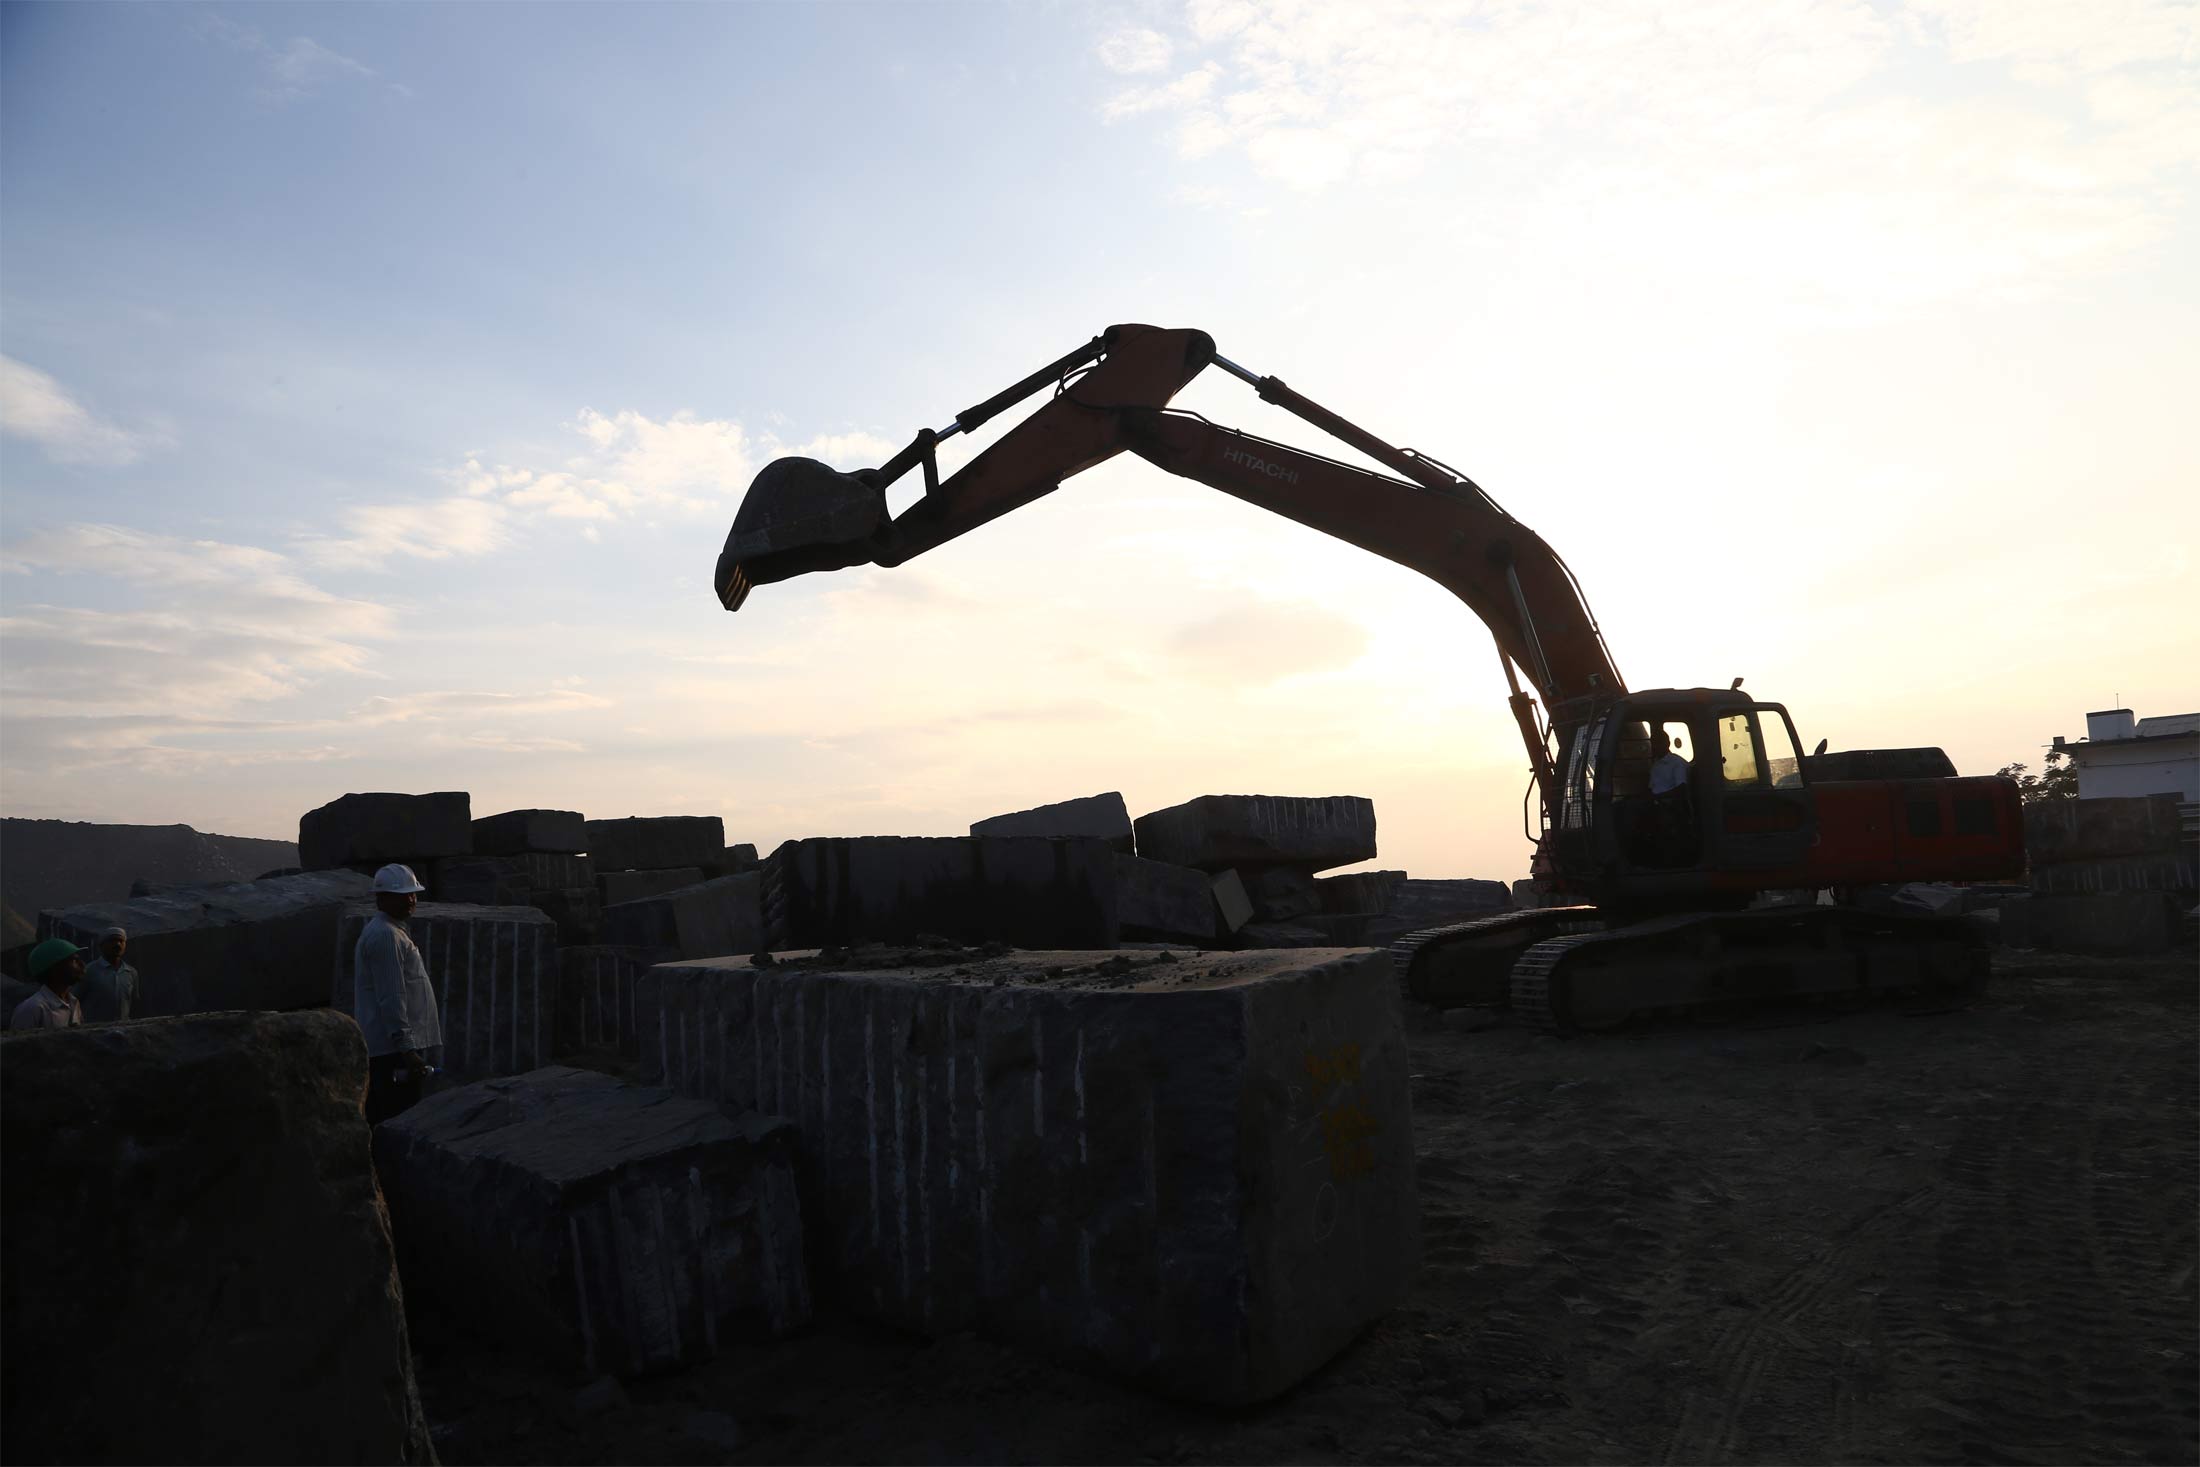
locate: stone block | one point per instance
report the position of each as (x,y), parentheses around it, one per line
(190,1205)
(495,973)
(1359,891)
(710,919)
(1023,890)
(615,1228)
(1215,831)
(1419,904)
(2102,829)
(516,832)
(239,945)
(656,843)
(1280,934)
(596,987)
(738,858)
(632,886)
(2165,871)
(487,881)
(1153,899)
(1196,1173)
(1280,893)
(577,913)
(1095,817)
(1233,908)
(371,829)
(2109,923)
(1339,929)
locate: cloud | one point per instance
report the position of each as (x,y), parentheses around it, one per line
(466,704)
(34,406)
(1941,148)
(380,535)
(294,69)
(1134,49)
(214,627)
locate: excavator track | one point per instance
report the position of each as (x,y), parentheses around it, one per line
(1467,962)
(1693,962)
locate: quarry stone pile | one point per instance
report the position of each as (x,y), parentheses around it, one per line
(1159,902)
(1218,831)
(495,974)
(596,988)
(629,886)
(1196,1173)
(192,1218)
(370,830)
(234,945)
(619,1228)
(2109,875)
(1418,904)
(1022,890)
(1095,817)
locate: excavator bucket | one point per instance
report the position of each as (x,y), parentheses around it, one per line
(799,515)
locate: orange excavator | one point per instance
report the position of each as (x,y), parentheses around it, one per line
(1664,816)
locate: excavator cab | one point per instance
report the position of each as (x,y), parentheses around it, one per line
(1681,792)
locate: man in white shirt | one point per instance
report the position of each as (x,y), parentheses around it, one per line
(109,988)
(55,966)
(392,998)
(1669,771)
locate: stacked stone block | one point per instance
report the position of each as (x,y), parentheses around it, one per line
(1269,846)
(596,990)
(707,919)
(361,832)
(1197,1173)
(1027,891)
(2111,875)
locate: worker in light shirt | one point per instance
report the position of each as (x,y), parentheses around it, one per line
(1669,771)
(56,965)
(109,988)
(392,998)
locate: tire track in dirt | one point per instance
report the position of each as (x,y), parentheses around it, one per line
(1710,1425)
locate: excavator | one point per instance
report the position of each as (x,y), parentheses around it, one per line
(1675,827)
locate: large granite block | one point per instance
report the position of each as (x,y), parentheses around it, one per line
(1280,893)
(191,1218)
(1153,899)
(1095,817)
(632,886)
(710,919)
(366,830)
(1196,1173)
(1418,904)
(495,973)
(236,945)
(508,880)
(1359,891)
(516,832)
(1024,890)
(614,1227)
(1215,831)
(596,987)
(657,842)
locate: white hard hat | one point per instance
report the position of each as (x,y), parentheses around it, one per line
(394,877)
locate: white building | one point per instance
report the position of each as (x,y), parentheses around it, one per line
(2121,755)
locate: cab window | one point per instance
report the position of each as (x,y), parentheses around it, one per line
(1738,751)
(1780,760)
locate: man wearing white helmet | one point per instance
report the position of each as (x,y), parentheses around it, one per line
(392,998)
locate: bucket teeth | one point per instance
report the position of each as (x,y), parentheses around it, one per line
(798,515)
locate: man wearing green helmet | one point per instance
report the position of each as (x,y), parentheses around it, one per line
(55,965)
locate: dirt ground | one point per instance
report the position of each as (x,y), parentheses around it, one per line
(1800,1237)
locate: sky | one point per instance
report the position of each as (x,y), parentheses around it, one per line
(377,384)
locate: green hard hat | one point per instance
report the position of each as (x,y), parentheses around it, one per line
(53,950)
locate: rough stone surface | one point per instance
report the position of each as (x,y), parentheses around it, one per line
(1215,831)
(578,913)
(1280,934)
(618,1228)
(738,858)
(1154,899)
(1023,890)
(1280,893)
(370,829)
(596,995)
(657,842)
(1232,906)
(495,972)
(514,880)
(2170,871)
(1359,891)
(2113,923)
(516,832)
(1339,929)
(242,945)
(1419,904)
(1095,817)
(1197,1174)
(190,1205)
(632,886)
(2101,829)
(710,919)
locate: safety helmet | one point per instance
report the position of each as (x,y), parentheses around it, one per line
(394,877)
(51,953)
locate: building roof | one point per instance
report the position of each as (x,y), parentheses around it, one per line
(2167,725)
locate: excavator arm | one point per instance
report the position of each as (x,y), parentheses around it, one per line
(1112,396)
